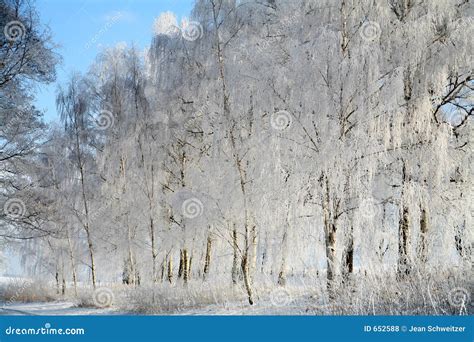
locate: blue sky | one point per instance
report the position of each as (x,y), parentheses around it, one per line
(83,27)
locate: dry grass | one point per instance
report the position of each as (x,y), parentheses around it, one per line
(173,299)
(427,293)
(418,294)
(24,291)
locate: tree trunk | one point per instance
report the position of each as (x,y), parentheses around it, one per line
(163,269)
(345,38)
(63,289)
(249,236)
(245,263)
(170,269)
(282,273)
(91,255)
(331,256)
(73,263)
(154,253)
(403,243)
(56,276)
(220,46)
(348,257)
(181,264)
(207,260)
(86,225)
(330,241)
(424,226)
(403,267)
(150,193)
(247,281)
(189,263)
(264,254)
(253,249)
(131,258)
(63,280)
(235,261)
(185,266)
(459,239)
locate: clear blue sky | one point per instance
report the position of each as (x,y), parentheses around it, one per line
(83,27)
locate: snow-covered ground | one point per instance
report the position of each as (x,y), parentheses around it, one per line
(52,308)
(69,308)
